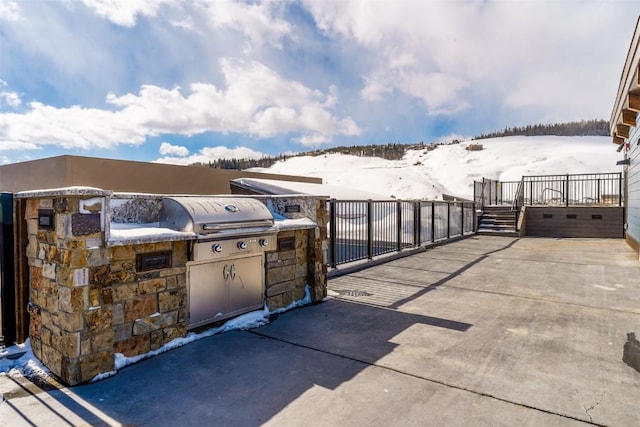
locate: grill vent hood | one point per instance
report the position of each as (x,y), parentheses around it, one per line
(206,215)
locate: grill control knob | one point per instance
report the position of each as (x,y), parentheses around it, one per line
(263,242)
(217,248)
(242,244)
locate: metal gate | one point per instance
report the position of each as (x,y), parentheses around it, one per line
(7,288)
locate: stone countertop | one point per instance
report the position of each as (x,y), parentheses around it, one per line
(132,234)
(62,192)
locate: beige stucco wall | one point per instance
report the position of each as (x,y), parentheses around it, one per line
(124,176)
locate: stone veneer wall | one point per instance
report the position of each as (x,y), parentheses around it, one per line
(290,270)
(87,301)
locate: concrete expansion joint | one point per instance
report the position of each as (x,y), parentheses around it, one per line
(434,381)
(545,300)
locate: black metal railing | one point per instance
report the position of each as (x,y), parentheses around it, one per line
(360,230)
(572,190)
(490,192)
(558,190)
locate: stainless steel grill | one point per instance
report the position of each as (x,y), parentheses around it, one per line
(207,215)
(225,273)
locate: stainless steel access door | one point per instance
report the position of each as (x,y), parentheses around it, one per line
(222,289)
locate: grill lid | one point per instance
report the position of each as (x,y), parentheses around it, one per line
(205,215)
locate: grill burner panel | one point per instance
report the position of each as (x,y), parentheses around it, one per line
(217,249)
(226,269)
(209,215)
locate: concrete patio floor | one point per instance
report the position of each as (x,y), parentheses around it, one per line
(483,331)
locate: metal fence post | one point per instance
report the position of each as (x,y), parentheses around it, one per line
(474,217)
(448,220)
(417,223)
(433,222)
(462,218)
(567,192)
(333,241)
(620,189)
(474,191)
(369,229)
(399,225)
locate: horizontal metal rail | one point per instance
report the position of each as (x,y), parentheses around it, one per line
(559,190)
(364,229)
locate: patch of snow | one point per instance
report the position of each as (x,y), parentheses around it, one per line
(286,224)
(26,364)
(120,232)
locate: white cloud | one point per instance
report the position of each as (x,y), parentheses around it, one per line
(452,55)
(185,23)
(313,140)
(73,127)
(438,91)
(212,153)
(175,150)
(17,145)
(9,98)
(256,101)
(257,21)
(374,89)
(9,11)
(125,12)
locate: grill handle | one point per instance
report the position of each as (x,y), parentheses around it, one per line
(234,225)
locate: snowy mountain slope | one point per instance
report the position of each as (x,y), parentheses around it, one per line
(451,169)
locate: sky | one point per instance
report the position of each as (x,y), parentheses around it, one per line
(184,81)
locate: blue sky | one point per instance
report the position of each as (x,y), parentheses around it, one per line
(194,80)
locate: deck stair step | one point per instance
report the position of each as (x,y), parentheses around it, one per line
(498,221)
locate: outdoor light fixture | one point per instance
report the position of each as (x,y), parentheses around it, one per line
(622,162)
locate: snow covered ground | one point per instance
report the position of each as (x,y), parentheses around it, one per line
(451,169)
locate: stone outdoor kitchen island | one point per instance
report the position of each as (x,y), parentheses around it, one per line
(96,289)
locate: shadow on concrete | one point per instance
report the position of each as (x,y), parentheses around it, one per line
(406,272)
(453,275)
(247,377)
(359,331)
(38,389)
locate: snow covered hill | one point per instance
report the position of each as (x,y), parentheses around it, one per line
(451,169)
